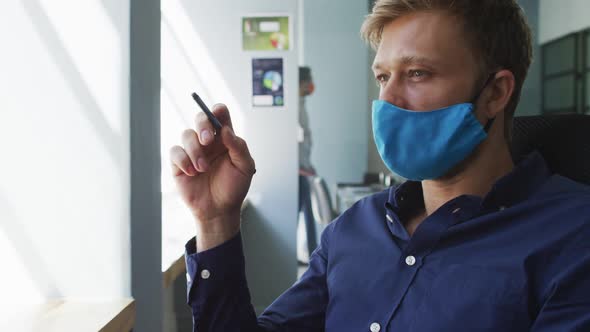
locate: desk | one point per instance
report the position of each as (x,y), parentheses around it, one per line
(78,316)
(173,249)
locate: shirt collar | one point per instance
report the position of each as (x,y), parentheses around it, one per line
(407,196)
(526,177)
(523,181)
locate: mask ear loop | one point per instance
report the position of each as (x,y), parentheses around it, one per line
(474,100)
(489,124)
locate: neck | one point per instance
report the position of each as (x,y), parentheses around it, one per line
(476,176)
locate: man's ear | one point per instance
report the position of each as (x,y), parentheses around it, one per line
(499,92)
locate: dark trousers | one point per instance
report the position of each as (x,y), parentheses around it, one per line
(305,207)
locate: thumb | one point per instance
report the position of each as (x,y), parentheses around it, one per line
(238,152)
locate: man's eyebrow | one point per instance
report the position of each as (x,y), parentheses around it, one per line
(413,59)
(405,60)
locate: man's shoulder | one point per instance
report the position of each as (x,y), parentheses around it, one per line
(563,188)
(566,199)
(567,202)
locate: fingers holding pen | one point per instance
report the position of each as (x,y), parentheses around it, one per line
(221,112)
(181,163)
(192,159)
(238,151)
(205,128)
(208,126)
(188,159)
(194,150)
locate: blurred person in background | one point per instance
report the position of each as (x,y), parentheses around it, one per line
(306,170)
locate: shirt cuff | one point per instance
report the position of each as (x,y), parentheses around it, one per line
(213,270)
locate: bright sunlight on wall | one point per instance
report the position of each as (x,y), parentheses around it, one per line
(186,66)
(64,137)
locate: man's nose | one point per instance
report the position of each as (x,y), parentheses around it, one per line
(392,92)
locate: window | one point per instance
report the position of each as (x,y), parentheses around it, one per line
(566,74)
(586,72)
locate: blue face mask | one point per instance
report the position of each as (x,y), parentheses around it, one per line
(426,145)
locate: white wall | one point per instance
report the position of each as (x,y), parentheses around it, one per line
(64,175)
(558,18)
(202,51)
(339,108)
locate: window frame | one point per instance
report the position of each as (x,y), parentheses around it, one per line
(585,74)
(580,74)
(545,77)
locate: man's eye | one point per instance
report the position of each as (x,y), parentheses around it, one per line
(380,79)
(417,73)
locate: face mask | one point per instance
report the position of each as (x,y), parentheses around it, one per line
(426,145)
(306,88)
(310,88)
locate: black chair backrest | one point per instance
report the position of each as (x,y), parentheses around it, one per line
(563,140)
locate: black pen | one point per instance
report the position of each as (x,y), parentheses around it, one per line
(210,115)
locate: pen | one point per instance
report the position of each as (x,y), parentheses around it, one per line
(210,115)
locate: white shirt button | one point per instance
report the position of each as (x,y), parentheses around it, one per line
(375,327)
(205,274)
(410,260)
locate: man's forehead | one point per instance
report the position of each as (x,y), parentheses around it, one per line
(404,58)
(427,38)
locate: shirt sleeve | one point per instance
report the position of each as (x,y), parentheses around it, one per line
(216,288)
(218,294)
(567,294)
(303,306)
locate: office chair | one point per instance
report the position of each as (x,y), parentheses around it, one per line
(563,140)
(321,202)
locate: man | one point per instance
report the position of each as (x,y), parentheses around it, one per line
(306,169)
(472,242)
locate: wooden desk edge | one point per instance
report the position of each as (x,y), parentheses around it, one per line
(117,315)
(123,321)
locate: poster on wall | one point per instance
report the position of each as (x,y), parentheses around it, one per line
(265,33)
(267,82)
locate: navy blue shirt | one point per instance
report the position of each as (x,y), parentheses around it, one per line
(517,259)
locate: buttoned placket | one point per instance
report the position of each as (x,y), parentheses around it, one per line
(420,244)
